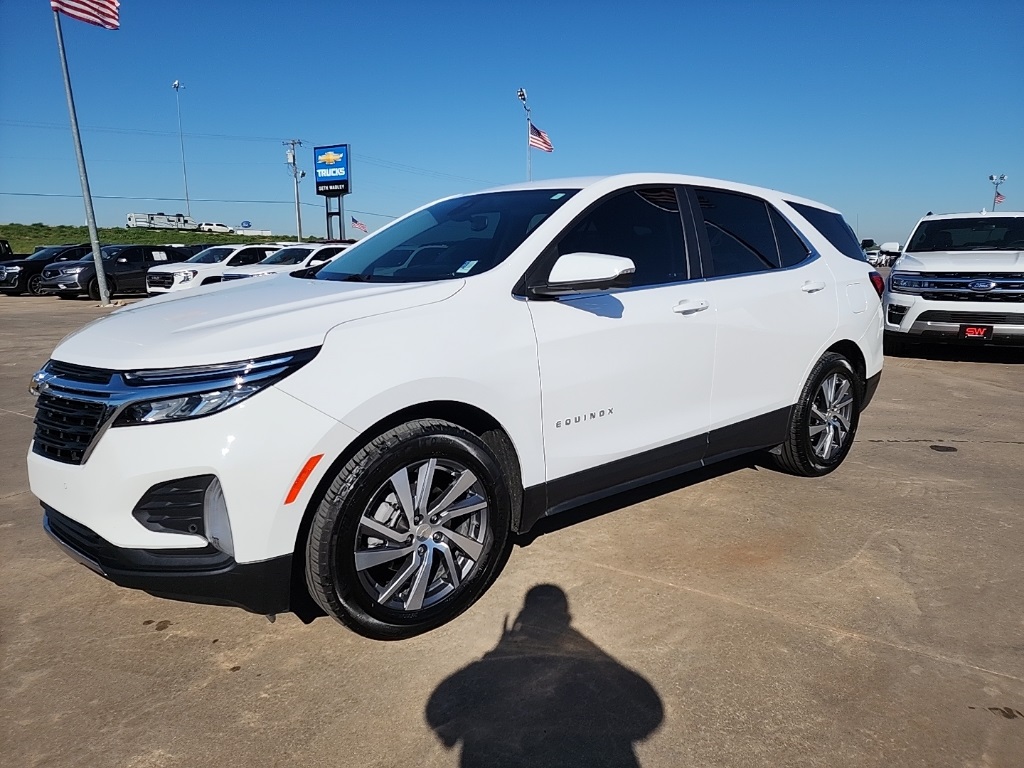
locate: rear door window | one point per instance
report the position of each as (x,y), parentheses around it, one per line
(739,233)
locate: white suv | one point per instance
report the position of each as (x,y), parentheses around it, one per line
(288,259)
(205,267)
(374,435)
(959,279)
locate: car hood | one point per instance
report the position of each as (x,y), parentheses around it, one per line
(962,261)
(228,322)
(179,266)
(263,269)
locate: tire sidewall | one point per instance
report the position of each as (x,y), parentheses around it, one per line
(33,285)
(825,368)
(347,509)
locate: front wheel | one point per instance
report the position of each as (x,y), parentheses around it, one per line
(412,531)
(94,289)
(34,285)
(824,420)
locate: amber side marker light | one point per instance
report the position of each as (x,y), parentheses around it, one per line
(302,477)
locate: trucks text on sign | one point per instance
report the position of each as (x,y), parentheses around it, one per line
(331,170)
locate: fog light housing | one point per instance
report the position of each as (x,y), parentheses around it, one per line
(215,519)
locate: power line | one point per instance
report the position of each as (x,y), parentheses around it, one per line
(181,200)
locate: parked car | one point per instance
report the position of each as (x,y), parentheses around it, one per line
(373,436)
(204,268)
(26,274)
(289,259)
(6,252)
(210,226)
(124,267)
(960,279)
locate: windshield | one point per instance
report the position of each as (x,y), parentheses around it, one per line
(211,256)
(976,233)
(451,239)
(288,256)
(46,254)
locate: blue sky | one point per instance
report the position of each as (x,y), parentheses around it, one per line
(884,110)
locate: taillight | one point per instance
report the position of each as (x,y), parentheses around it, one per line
(878,281)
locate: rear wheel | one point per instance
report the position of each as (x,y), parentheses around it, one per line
(824,420)
(412,531)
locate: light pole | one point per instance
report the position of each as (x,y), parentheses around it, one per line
(521,93)
(177,86)
(997,180)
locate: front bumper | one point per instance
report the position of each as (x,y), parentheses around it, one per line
(62,284)
(913,318)
(203,575)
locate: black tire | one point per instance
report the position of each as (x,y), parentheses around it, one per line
(94,289)
(805,452)
(361,491)
(33,285)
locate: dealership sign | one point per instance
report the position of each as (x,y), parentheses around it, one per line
(331,169)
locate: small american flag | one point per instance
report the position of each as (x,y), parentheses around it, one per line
(539,139)
(999,198)
(358,224)
(102,13)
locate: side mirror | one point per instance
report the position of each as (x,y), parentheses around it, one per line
(317,262)
(579,273)
(889,247)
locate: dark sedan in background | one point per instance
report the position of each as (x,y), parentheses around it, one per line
(125,268)
(25,274)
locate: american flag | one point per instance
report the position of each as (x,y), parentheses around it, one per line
(999,198)
(539,139)
(358,224)
(102,13)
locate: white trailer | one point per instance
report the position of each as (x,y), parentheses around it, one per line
(161,221)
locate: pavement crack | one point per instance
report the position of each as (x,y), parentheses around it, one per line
(16,413)
(838,631)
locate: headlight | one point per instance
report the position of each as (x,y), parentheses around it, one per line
(12,269)
(907,282)
(71,270)
(178,394)
(185,275)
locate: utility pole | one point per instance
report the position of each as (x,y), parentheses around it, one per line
(996,179)
(177,85)
(296,175)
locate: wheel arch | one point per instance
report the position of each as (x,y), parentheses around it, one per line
(852,352)
(467,416)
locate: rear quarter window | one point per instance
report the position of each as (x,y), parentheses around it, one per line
(834,229)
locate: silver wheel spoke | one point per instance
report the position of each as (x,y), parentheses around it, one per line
(424,482)
(400,578)
(844,420)
(449,562)
(471,547)
(368,558)
(817,429)
(839,392)
(462,484)
(817,412)
(844,402)
(400,482)
(419,586)
(382,530)
(473,504)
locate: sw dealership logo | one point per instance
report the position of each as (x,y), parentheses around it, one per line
(330,158)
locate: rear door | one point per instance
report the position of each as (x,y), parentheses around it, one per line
(776,306)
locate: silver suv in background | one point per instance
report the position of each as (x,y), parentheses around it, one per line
(960,278)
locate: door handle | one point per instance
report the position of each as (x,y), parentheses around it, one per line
(812,286)
(690,306)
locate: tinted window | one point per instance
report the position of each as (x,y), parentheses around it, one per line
(454,238)
(132,255)
(210,256)
(247,256)
(834,228)
(642,225)
(792,248)
(739,232)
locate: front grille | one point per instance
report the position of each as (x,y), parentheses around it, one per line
(66,427)
(51,273)
(79,373)
(981,318)
(160,280)
(956,286)
(967,295)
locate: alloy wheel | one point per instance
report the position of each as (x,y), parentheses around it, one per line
(831,416)
(422,534)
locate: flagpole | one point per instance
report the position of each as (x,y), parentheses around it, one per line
(521,94)
(90,215)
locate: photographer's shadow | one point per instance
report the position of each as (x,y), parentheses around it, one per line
(544,696)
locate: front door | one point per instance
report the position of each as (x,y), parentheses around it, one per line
(625,375)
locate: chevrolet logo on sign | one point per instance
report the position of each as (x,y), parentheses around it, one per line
(330,158)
